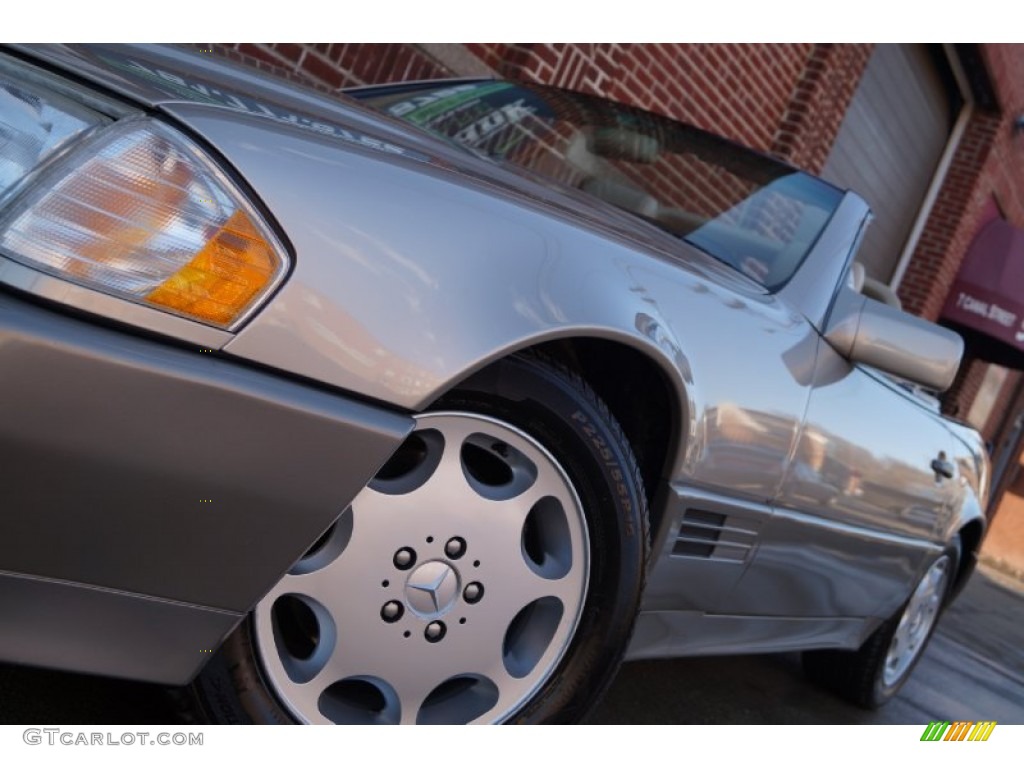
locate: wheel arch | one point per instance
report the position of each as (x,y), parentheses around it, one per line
(639,386)
(970,536)
(543,402)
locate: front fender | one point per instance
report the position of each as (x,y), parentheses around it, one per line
(407,280)
(412,273)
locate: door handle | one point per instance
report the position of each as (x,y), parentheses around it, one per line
(942,467)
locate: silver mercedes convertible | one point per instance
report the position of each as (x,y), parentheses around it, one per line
(434,402)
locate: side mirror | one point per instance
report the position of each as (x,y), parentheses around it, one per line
(866,331)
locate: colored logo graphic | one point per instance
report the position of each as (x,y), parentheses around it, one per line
(959,731)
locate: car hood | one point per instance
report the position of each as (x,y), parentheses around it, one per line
(161,77)
(156,76)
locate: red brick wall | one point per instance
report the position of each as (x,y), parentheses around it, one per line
(988,166)
(785,99)
(995,426)
(958,398)
(330,66)
(953,220)
(989,163)
(817,106)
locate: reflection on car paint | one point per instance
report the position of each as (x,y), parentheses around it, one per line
(195,90)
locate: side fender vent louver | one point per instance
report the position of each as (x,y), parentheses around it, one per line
(706,535)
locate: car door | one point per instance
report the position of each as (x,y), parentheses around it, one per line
(862,505)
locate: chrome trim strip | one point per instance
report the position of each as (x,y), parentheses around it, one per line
(856,531)
(709,543)
(687,522)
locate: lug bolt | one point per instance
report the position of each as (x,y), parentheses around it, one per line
(455,548)
(435,631)
(392,611)
(405,558)
(473,592)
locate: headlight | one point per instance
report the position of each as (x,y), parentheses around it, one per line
(34,126)
(137,211)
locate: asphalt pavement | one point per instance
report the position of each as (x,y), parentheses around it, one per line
(972,670)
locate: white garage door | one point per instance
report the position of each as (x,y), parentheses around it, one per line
(889,145)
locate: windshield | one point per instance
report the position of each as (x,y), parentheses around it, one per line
(752,212)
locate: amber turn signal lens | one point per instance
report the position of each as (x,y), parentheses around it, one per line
(140,212)
(224,277)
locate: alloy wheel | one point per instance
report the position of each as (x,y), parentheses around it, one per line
(917,621)
(448,592)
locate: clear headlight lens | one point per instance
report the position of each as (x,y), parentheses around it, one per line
(33,126)
(140,212)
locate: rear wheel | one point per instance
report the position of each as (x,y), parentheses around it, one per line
(490,572)
(874,674)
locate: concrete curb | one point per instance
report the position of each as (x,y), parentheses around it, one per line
(1003,567)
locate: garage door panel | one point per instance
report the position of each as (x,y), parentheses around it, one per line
(889,146)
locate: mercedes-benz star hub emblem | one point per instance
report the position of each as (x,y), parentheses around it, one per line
(432,589)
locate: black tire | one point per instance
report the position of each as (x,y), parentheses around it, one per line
(864,677)
(558,410)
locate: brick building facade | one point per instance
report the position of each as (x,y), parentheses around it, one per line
(786,99)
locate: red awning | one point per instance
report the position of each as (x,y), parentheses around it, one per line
(986,302)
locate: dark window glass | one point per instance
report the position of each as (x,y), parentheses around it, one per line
(750,211)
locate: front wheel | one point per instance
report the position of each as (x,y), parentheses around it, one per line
(490,572)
